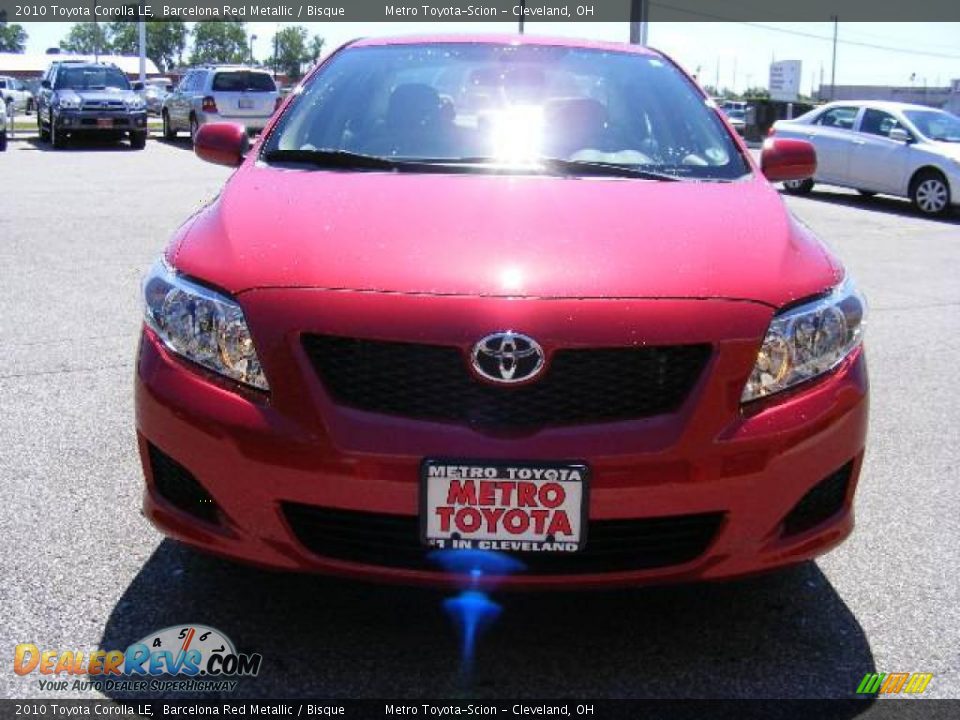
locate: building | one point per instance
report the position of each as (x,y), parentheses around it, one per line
(30,65)
(946,98)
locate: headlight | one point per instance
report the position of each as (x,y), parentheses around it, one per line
(68,103)
(201,325)
(807,341)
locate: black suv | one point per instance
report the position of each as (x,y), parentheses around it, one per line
(84,97)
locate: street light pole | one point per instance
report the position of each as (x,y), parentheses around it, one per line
(833,63)
(523,11)
(253,59)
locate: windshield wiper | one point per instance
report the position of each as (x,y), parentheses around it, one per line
(335,159)
(591,167)
(561,165)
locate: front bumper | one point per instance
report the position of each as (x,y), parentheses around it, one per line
(253,453)
(94,121)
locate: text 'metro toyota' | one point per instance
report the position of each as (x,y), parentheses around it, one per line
(524,296)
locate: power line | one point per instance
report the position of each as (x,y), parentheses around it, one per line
(812,36)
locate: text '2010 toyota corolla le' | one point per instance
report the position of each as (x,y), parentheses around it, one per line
(521,296)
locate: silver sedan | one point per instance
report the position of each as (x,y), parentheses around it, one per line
(910,151)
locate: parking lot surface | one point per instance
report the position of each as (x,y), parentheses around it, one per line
(83,570)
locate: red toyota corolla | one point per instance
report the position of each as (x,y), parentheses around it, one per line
(527,298)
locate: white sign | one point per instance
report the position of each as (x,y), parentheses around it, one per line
(785,80)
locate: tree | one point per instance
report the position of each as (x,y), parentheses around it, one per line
(166,40)
(86,38)
(290,45)
(13,38)
(219,41)
(315,47)
(760,93)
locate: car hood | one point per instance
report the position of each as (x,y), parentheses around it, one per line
(474,234)
(104,94)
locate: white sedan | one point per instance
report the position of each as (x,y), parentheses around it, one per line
(911,151)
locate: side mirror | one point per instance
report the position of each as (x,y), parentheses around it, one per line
(136,86)
(898,134)
(45,84)
(221,143)
(787,159)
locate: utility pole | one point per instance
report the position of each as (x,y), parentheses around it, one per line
(523,10)
(833,64)
(276,45)
(142,31)
(639,21)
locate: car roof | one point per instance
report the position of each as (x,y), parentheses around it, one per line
(879,105)
(503,39)
(233,68)
(84,64)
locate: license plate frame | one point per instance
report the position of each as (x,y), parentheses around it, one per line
(104,122)
(245,104)
(572,476)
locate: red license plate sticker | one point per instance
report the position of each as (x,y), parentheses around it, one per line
(503,506)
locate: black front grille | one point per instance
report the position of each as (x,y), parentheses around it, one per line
(432,382)
(104,106)
(822,502)
(180,488)
(612,545)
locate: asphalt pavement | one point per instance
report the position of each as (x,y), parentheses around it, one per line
(81,569)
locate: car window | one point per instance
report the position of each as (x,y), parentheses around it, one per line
(512,104)
(936,124)
(241,80)
(3,84)
(841,118)
(877,122)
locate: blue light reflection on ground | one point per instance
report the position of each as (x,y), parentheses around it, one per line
(472,610)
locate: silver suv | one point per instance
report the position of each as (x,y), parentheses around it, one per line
(232,93)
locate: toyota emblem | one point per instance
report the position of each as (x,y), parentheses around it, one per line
(507,357)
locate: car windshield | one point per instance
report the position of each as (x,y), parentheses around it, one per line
(936,124)
(494,106)
(239,81)
(91,78)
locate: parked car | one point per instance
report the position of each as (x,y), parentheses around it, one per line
(458,298)
(737,118)
(94,98)
(3,129)
(14,91)
(237,93)
(154,91)
(910,151)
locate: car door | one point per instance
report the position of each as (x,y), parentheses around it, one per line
(832,134)
(878,163)
(178,102)
(44,93)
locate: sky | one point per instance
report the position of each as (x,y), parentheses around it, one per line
(739,54)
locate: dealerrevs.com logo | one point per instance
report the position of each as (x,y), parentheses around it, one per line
(894,683)
(181,658)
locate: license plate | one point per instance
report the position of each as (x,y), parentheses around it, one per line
(104,122)
(245,104)
(503,506)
